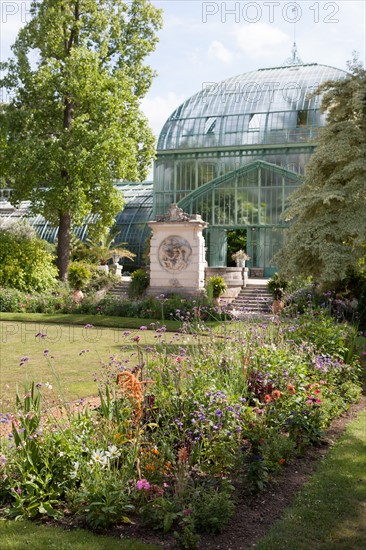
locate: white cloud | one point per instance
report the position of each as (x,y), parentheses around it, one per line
(159,108)
(260,39)
(218,51)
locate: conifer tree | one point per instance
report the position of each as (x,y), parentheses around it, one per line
(328,234)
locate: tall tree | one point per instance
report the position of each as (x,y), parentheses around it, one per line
(328,234)
(74,124)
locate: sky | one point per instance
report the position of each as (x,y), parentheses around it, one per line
(204,42)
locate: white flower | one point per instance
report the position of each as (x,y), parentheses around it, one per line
(113,452)
(74,473)
(98,457)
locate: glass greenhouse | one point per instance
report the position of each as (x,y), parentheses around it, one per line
(233,152)
(132,221)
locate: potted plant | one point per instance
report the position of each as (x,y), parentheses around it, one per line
(240,258)
(277,287)
(79,277)
(216,287)
(105,249)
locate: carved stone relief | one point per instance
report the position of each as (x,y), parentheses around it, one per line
(174,254)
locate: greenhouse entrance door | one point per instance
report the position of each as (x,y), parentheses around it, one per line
(251,198)
(262,243)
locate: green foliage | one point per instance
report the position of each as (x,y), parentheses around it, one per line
(212,509)
(79,275)
(105,248)
(79,74)
(55,300)
(25,263)
(329,232)
(140,280)
(216,286)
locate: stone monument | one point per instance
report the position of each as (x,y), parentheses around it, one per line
(177,253)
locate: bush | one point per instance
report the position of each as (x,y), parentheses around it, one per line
(140,280)
(25,263)
(79,275)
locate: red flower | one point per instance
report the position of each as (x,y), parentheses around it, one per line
(267,398)
(276,394)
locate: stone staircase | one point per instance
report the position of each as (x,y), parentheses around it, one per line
(253,300)
(120,290)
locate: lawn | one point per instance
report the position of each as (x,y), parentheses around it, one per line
(18,535)
(330,511)
(69,357)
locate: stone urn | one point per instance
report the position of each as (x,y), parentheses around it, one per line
(240,263)
(78,296)
(277,306)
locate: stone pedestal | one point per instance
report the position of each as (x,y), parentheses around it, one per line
(116,269)
(177,254)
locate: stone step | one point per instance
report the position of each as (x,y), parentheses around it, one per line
(253,299)
(120,290)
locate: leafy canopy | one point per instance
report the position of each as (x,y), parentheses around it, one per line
(74,125)
(328,235)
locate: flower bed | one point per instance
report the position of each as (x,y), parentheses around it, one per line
(174,437)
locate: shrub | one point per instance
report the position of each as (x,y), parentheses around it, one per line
(79,275)
(25,263)
(139,282)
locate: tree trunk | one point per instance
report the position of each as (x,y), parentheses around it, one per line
(63,246)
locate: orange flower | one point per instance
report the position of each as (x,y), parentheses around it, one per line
(291,389)
(267,398)
(132,387)
(150,467)
(154,451)
(183,455)
(282,461)
(276,394)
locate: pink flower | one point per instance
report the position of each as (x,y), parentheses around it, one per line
(142,485)
(136,338)
(187,512)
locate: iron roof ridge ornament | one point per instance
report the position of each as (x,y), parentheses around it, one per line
(294,59)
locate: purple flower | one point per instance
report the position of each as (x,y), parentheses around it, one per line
(23,360)
(88,325)
(143,327)
(40,335)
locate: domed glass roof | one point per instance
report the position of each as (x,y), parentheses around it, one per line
(258,107)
